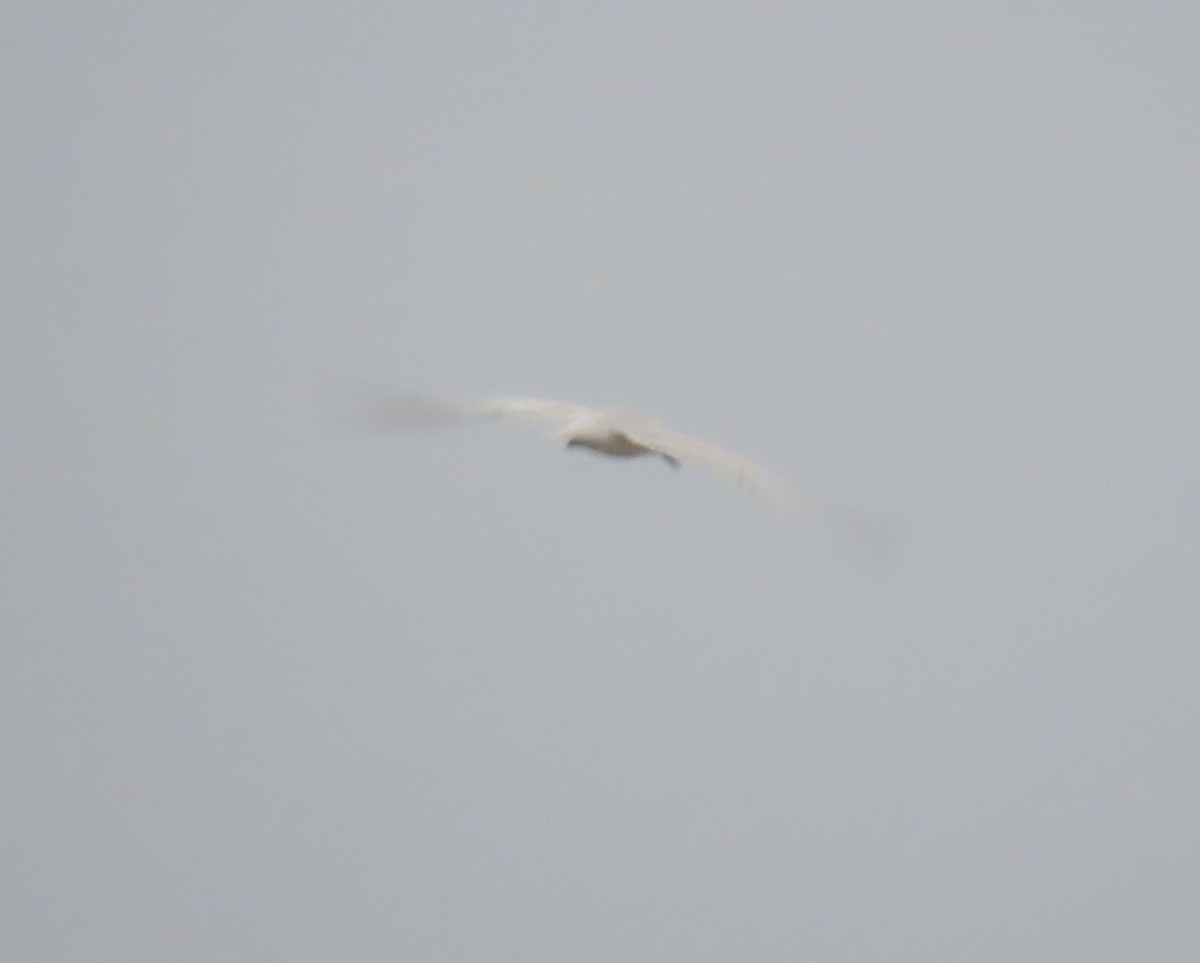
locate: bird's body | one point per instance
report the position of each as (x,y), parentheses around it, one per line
(604,433)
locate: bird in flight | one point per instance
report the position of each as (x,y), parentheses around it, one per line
(610,432)
(625,434)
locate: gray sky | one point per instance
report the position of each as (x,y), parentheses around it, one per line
(277,690)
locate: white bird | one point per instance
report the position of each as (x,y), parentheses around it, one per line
(611,432)
(627,434)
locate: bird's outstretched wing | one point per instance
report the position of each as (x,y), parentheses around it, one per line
(545,412)
(409,410)
(870,538)
(743,472)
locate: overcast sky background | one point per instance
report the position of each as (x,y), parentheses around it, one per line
(275,689)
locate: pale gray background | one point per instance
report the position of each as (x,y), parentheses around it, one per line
(274,690)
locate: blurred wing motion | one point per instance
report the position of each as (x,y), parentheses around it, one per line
(406,410)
